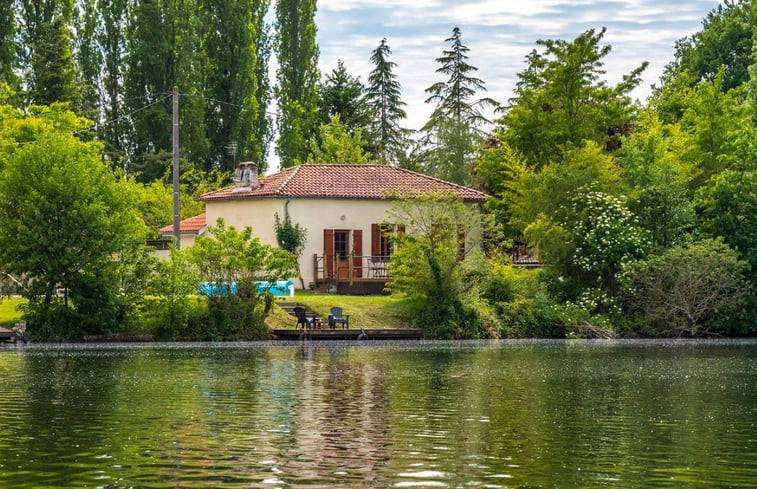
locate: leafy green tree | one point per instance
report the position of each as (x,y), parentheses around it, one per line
(499,168)
(383,94)
(229,257)
(687,290)
(33,16)
(291,237)
(343,95)
(550,190)
(719,126)
(171,287)
(727,209)
(262,133)
(64,217)
(454,125)
(440,237)
(725,41)
(335,145)
(658,180)
(297,78)
(560,100)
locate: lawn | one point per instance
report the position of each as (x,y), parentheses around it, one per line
(366,311)
(8,312)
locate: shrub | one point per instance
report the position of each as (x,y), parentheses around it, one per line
(689,290)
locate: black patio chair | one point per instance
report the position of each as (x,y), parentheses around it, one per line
(302,318)
(336,317)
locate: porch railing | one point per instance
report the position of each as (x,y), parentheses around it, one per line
(333,268)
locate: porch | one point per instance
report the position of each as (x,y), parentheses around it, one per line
(351,274)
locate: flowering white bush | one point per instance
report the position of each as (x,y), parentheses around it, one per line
(606,237)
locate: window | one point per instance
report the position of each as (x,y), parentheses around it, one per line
(382,246)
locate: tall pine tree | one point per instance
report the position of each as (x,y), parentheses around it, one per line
(388,138)
(297,78)
(454,126)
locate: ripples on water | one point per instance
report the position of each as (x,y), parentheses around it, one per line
(418,414)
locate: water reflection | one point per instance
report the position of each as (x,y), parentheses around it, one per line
(420,414)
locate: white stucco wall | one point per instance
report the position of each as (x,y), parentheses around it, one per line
(314,215)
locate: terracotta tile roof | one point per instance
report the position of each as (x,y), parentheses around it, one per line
(187,226)
(343,182)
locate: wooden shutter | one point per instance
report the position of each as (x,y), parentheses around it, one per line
(328,251)
(357,252)
(375,240)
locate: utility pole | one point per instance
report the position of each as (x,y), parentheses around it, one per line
(176,219)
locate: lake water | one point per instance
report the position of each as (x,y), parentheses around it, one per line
(538,414)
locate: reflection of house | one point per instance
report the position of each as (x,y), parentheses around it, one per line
(342,208)
(188,230)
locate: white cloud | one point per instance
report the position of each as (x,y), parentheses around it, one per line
(499,33)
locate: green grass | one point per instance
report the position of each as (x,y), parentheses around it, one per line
(366,311)
(8,312)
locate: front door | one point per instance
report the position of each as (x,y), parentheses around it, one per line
(338,244)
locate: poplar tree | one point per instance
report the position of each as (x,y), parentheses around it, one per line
(297,78)
(8,46)
(88,56)
(384,96)
(164,50)
(233,48)
(454,126)
(112,42)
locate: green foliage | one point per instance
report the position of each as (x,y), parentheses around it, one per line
(235,257)
(728,209)
(53,78)
(8,45)
(335,145)
(454,126)
(719,127)
(235,45)
(549,191)
(725,42)
(170,289)
(560,101)
(290,236)
(342,95)
(428,265)
(689,290)
(659,181)
(383,94)
(591,246)
(64,217)
(297,77)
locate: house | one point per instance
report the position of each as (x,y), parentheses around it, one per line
(343,209)
(189,229)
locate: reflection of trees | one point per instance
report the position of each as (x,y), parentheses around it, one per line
(341,425)
(55,398)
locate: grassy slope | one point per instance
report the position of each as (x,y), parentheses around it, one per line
(8,312)
(366,311)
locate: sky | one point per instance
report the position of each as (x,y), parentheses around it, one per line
(499,33)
